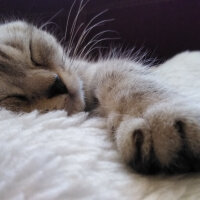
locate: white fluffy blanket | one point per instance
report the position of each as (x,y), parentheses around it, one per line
(52,156)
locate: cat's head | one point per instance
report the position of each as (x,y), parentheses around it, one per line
(34,71)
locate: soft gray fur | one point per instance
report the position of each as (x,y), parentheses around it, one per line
(153,128)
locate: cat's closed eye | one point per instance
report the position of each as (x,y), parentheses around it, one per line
(33,60)
(19,97)
(35,63)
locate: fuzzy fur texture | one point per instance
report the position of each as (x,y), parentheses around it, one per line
(154,128)
(52,156)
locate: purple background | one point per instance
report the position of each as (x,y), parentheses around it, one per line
(163,27)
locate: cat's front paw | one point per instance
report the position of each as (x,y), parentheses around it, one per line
(165,139)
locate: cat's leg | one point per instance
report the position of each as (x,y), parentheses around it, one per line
(151,131)
(167,139)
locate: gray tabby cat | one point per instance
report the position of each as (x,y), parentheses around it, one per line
(153,127)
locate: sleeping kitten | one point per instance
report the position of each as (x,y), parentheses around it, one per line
(153,128)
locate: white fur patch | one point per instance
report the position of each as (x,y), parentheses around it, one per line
(55,157)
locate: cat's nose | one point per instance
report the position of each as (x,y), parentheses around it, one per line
(57,88)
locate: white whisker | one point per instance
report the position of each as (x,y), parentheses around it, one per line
(77,30)
(86,55)
(82,37)
(85,33)
(49,20)
(68,17)
(92,47)
(94,38)
(66,31)
(81,7)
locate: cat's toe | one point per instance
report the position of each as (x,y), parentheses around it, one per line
(143,162)
(134,143)
(187,159)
